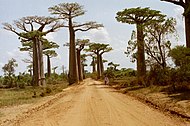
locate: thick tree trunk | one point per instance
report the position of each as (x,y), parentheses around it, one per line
(48,66)
(73,70)
(41,64)
(79,65)
(35,63)
(93,65)
(83,72)
(98,66)
(101,65)
(187,30)
(141,67)
(187,22)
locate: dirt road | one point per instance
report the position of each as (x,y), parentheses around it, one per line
(94,104)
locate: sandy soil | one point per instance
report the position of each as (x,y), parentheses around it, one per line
(94,104)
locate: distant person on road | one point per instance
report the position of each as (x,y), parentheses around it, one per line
(106,80)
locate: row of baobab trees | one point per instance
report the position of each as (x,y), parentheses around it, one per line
(32,30)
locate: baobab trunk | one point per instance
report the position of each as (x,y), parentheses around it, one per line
(101,65)
(35,64)
(93,65)
(141,67)
(73,70)
(48,66)
(187,30)
(79,65)
(98,66)
(41,64)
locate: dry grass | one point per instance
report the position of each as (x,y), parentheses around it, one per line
(11,97)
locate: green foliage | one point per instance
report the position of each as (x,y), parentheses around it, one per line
(9,68)
(97,47)
(56,79)
(181,56)
(114,66)
(63,8)
(139,16)
(158,76)
(23,80)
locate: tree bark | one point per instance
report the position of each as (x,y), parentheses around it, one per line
(73,70)
(83,72)
(48,66)
(93,65)
(98,66)
(35,63)
(41,64)
(79,65)
(141,67)
(101,65)
(187,30)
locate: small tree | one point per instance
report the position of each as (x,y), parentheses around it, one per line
(9,70)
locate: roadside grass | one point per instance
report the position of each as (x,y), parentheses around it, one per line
(15,96)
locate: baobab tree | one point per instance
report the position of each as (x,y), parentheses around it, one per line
(80,43)
(47,48)
(186,6)
(99,50)
(83,64)
(141,17)
(94,62)
(157,42)
(50,54)
(32,29)
(113,65)
(67,12)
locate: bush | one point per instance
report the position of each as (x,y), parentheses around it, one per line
(158,76)
(48,90)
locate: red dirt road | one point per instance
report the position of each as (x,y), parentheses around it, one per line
(94,104)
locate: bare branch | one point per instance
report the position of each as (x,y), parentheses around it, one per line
(87,26)
(177,2)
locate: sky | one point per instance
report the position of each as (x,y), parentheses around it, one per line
(114,33)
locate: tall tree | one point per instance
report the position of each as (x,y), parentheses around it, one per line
(67,12)
(99,50)
(27,46)
(80,46)
(141,17)
(32,28)
(50,54)
(157,42)
(94,62)
(83,64)
(186,6)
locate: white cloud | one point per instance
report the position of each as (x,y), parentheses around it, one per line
(98,35)
(51,36)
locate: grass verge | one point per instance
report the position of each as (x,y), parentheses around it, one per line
(15,96)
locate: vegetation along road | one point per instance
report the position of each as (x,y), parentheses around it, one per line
(92,103)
